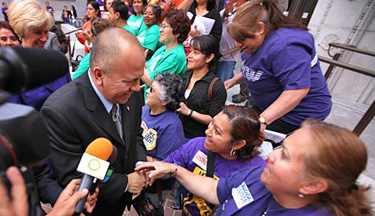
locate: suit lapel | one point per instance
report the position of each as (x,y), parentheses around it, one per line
(95,106)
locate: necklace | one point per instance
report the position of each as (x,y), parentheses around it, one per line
(268,209)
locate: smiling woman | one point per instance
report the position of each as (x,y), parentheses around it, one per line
(233,137)
(309,175)
(31,22)
(7,35)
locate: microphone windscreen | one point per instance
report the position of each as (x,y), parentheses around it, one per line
(101,148)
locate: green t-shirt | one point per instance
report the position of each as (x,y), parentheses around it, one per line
(149,38)
(83,66)
(136,23)
(172,61)
(129,29)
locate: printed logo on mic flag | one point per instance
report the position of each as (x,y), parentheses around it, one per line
(93,166)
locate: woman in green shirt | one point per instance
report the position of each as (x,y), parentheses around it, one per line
(149,37)
(136,20)
(170,57)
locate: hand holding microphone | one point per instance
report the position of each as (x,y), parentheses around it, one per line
(94,165)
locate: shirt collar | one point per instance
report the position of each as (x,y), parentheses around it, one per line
(108,105)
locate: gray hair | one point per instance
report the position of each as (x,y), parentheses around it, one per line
(172,89)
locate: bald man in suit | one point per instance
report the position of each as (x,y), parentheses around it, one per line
(81,111)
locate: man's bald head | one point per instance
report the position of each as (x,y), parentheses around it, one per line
(109,44)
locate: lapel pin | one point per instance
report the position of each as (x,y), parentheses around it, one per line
(127,107)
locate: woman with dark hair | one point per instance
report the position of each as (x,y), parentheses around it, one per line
(232,137)
(73,14)
(7,35)
(92,13)
(149,37)
(203,8)
(280,67)
(204,92)
(136,20)
(170,57)
(311,174)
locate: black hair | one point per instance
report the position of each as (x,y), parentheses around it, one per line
(119,6)
(207,44)
(156,10)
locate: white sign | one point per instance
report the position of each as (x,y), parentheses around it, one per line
(93,166)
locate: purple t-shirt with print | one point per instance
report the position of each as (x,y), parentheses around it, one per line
(242,194)
(193,156)
(287,60)
(162,133)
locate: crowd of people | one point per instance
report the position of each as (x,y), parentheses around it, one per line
(154,82)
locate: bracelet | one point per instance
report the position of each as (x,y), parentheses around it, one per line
(191,113)
(175,170)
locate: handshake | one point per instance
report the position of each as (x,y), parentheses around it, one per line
(17,203)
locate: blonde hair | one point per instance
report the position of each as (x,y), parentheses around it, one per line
(339,157)
(26,15)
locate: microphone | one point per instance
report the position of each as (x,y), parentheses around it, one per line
(94,165)
(23,69)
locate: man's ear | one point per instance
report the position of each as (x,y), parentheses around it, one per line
(315,186)
(117,14)
(98,75)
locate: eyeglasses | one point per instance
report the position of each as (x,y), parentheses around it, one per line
(164,26)
(152,89)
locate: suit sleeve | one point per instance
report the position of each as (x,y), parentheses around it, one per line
(67,149)
(140,148)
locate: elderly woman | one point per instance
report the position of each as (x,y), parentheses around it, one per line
(230,144)
(170,57)
(92,13)
(31,22)
(205,93)
(292,183)
(162,129)
(280,67)
(7,35)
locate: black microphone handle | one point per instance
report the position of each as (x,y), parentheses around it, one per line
(87,182)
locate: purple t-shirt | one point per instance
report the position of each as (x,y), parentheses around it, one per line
(4,11)
(162,133)
(242,194)
(36,97)
(193,156)
(287,60)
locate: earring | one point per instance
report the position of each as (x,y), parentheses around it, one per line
(232,152)
(301,195)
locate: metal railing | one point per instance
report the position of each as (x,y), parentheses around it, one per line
(334,62)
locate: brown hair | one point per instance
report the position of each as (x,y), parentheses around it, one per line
(179,22)
(251,13)
(339,157)
(6,25)
(245,126)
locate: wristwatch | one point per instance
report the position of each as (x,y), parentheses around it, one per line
(263,121)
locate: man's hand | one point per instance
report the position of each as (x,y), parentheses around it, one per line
(68,199)
(136,182)
(17,205)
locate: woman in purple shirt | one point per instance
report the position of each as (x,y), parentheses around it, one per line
(279,66)
(313,173)
(233,136)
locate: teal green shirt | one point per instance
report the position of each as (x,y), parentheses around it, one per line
(149,38)
(136,23)
(83,66)
(129,29)
(172,61)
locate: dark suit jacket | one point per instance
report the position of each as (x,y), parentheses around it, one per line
(75,116)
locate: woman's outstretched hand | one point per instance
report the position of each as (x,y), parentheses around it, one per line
(154,170)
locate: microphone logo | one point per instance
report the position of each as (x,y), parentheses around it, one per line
(94,164)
